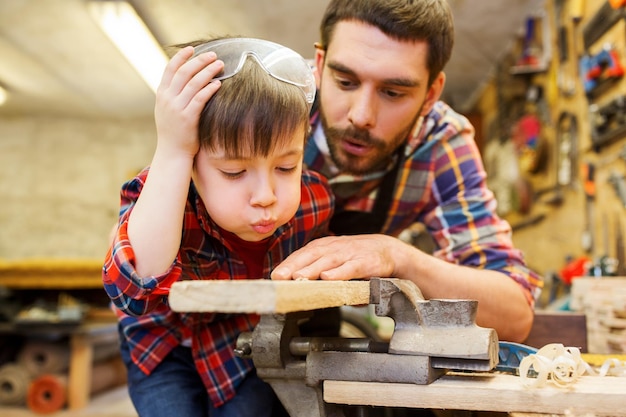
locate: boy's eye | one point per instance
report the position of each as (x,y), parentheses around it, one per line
(287,168)
(232,174)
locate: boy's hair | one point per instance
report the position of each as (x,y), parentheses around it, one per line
(252,114)
(404,20)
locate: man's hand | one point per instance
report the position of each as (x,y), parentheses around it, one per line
(501,303)
(342,258)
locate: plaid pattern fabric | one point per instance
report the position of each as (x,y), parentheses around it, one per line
(443,186)
(152,329)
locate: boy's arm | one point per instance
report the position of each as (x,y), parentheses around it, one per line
(155,223)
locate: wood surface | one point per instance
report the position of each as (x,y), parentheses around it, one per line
(594,395)
(264,296)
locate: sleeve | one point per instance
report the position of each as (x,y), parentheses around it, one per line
(129,292)
(463,216)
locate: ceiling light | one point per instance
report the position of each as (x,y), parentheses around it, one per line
(120,22)
(4,95)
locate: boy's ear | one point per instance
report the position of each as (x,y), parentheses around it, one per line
(433,93)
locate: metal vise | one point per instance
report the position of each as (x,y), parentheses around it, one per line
(429,338)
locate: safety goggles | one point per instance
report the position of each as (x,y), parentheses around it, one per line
(279,61)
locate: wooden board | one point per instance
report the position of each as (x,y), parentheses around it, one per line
(264,296)
(488,392)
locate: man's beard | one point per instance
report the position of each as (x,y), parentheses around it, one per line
(359,165)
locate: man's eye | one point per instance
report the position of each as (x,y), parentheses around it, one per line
(392,94)
(344,82)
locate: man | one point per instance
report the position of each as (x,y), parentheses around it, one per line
(396,155)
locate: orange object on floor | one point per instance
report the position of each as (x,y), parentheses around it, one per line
(47,394)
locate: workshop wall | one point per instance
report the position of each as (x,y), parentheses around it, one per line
(62,175)
(554,112)
(61,181)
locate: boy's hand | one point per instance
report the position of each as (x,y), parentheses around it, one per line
(184,90)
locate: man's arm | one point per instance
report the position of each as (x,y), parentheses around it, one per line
(502,304)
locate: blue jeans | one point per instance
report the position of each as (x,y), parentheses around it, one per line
(175,388)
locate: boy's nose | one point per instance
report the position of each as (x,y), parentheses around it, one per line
(262,193)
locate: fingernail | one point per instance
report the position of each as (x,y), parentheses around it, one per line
(279,273)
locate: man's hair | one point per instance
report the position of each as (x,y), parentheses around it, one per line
(403,20)
(252,114)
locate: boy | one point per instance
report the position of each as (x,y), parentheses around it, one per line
(225,197)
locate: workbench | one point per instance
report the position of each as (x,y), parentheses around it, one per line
(488,392)
(454,390)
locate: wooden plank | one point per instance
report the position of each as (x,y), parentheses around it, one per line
(81,363)
(487,392)
(264,296)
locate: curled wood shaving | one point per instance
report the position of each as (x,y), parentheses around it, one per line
(562,366)
(613,367)
(554,362)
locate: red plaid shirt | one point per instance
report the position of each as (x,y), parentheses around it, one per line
(152,329)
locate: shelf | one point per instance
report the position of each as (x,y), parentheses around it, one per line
(51,274)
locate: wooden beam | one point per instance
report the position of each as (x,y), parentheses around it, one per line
(264,296)
(487,392)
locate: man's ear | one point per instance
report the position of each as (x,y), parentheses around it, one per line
(433,93)
(320,54)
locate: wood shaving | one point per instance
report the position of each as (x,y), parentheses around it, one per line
(562,366)
(555,363)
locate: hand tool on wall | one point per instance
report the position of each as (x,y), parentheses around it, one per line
(531,49)
(604,265)
(608,122)
(620,251)
(619,184)
(599,68)
(566,155)
(589,187)
(603,20)
(528,221)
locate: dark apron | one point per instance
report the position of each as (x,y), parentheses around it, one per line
(350,222)
(327,322)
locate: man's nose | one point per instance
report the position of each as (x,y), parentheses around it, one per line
(362,112)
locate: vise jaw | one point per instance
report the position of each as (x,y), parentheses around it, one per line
(430,337)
